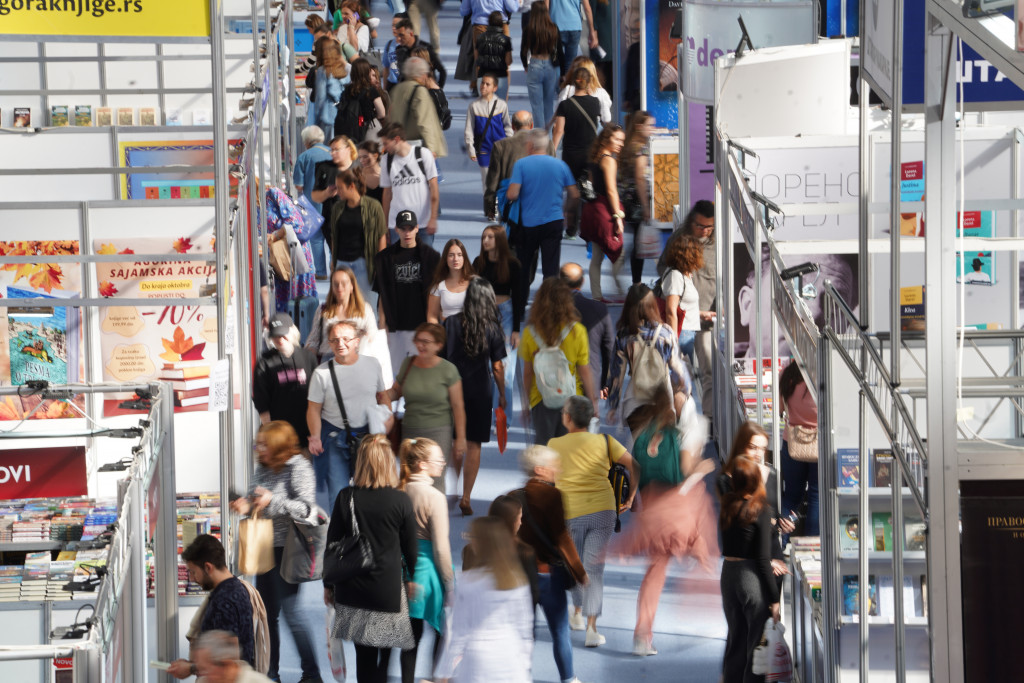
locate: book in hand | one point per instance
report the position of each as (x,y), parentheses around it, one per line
(58,115)
(881,527)
(848,462)
(22,117)
(881,463)
(104,116)
(849,532)
(83,115)
(851,595)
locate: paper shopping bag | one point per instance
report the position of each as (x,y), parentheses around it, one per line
(255,545)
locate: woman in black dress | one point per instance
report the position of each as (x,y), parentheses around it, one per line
(476,346)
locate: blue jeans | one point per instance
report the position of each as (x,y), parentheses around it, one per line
(362,279)
(333,467)
(556,610)
(542,86)
(686,338)
(321,259)
(796,476)
(570,47)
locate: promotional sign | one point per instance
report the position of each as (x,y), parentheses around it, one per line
(878,38)
(42,472)
(710,30)
(122,18)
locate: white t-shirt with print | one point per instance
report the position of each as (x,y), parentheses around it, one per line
(409,189)
(359,384)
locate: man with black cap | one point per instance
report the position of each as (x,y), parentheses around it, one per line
(402,276)
(281,379)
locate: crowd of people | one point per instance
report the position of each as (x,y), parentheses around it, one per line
(375,410)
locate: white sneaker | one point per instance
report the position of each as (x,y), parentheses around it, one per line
(643,648)
(594,638)
(576,621)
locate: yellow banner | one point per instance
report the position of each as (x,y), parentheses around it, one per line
(129,18)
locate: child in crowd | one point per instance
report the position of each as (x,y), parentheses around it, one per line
(487,121)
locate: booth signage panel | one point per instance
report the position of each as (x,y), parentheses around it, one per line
(43,472)
(710,30)
(878,38)
(121,18)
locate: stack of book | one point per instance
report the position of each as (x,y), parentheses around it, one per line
(10,582)
(32,529)
(60,575)
(96,522)
(34,576)
(190,381)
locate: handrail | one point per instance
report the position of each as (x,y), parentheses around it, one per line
(851,343)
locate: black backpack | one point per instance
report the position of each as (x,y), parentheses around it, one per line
(351,119)
(444,114)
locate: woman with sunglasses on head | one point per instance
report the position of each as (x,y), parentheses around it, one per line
(451,279)
(432,389)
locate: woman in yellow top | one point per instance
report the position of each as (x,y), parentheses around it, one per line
(589,505)
(554,322)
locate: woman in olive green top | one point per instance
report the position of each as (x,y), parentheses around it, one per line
(432,389)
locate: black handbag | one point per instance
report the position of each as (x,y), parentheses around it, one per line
(351,440)
(303,556)
(619,477)
(350,556)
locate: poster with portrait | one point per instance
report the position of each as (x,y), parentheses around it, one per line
(176,343)
(841,269)
(40,343)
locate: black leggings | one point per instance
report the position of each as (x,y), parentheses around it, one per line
(636,264)
(372,664)
(409,656)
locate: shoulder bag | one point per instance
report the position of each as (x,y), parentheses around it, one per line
(303,556)
(585,182)
(395,435)
(803,443)
(618,475)
(351,440)
(349,556)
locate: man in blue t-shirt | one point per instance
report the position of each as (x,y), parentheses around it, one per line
(566,16)
(538,181)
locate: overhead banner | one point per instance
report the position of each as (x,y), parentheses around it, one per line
(711,30)
(120,18)
(43,472)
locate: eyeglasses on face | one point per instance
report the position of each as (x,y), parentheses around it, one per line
(423,341)
(342,340)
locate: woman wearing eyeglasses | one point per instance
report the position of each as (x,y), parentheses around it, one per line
(432,389)
(334,425)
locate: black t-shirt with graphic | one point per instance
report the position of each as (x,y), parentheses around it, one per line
(410,280)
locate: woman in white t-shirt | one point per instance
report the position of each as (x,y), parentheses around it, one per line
(344,302)
(352,32)
(448,290)
(685,257)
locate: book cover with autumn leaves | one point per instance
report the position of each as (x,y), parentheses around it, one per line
(137,342)
(41,344)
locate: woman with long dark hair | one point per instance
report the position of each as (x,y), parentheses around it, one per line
(476,346)
(358,229)
(451,278)
(750,592)
(371,104)
(542,71)
(499,266)
(640,326)
(601,220)
(369,162)
(635,182)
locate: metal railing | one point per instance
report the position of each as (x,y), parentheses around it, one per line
(859,353)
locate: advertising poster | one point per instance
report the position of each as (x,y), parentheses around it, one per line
(662,74)
(42,472)
(39,344)
(840,268)
(184,153)
(979,267)
(164,341)
(912,190)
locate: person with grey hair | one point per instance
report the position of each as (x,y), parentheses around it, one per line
(217,660)
(304,177)
(539,181)
(558,564)
(589,504)
(413,108)
(504,154)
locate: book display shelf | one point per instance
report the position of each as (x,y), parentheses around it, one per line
(154,134)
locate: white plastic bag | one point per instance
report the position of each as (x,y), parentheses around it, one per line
(335,650)
(772,658)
